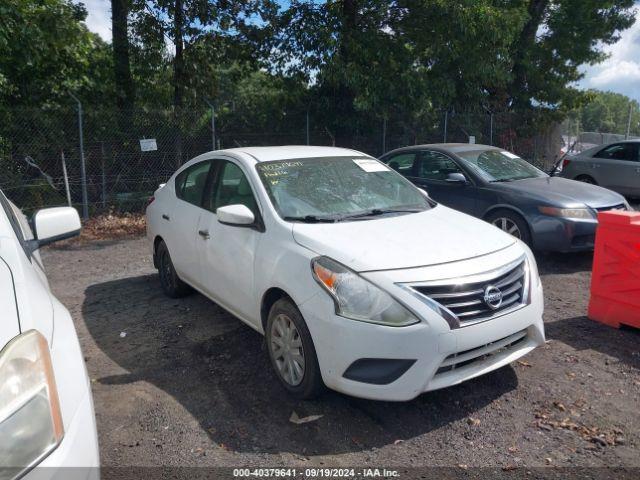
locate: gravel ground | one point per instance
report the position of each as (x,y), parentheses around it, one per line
(191,385)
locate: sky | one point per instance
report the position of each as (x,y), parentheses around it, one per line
(619,73)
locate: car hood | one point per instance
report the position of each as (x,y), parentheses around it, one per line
(564,192)
(439,235)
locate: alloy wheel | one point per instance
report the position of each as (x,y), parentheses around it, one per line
(508,225)
(286,350)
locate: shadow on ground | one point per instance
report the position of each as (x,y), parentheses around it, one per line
(564,263)
(217,369)
(584,334)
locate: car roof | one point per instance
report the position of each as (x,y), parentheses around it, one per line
(288,152)
(448,147)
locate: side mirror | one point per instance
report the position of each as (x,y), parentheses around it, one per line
(423,192)
(456,178)
(54,224)
(238,215)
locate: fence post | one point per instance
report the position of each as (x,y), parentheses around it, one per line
(104,180)
(384,135)
(213,123)
(83,170)
(446,118)
(491,128)
(65,176)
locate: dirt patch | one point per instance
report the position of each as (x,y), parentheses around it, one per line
(191,385)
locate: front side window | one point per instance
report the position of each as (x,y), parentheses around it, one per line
(620,151)
(18,222)
(231,188)
(499,166)
(436,166)
(190,183)
(403,163)
(337,188)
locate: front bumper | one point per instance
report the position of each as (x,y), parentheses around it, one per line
(77,455)
(431,344)
(563,234)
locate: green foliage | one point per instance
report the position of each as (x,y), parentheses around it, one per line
(607,112)
(47,52)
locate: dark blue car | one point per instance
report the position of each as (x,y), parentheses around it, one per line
(548,213)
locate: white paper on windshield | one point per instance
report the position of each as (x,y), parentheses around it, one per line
(509,154)
(370,165)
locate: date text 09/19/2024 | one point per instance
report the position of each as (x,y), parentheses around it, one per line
(315,473)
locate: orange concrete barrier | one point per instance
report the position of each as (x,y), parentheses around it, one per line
(615,281)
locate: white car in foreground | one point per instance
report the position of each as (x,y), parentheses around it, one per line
(47,421)
(357,279)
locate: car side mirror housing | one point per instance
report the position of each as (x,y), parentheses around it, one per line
(423,192)
(456,178)
(55,224)
(238,215)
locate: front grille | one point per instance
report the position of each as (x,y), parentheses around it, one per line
(483,352)
(465,298)
(620,206)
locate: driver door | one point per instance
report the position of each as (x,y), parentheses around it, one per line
(227,252)
(432,171)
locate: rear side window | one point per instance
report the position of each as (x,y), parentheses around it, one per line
(190,183)
(620,151)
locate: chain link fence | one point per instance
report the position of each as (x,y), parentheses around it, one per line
(115,160)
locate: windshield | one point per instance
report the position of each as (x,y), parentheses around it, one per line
(337,188)
(500,166)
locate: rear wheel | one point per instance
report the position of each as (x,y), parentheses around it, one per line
(171,284)
(291,351)
(586,179)
(511,223)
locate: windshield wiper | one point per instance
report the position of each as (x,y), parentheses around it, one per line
(503,180)
(380,211)
(311,219)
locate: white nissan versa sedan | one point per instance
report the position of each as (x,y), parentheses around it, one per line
(357,279)
(46,408)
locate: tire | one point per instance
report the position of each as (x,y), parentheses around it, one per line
(586,179)
(292,350)
(512,223)
(171,284)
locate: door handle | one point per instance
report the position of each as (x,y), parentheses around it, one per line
(204,234)
(165,216)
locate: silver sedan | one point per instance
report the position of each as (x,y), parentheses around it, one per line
(615,166)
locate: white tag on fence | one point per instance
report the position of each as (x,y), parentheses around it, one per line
(148,144)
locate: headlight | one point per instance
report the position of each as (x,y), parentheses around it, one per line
(579,213)
(358,299)
(30,420)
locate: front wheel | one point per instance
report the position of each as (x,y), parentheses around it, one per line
(586,179)
(171,284)
(511,223)
(291,351)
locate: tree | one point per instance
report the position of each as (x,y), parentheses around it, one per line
(607,112)
(125,89)
(47,52)
(558,37)
(191,26)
